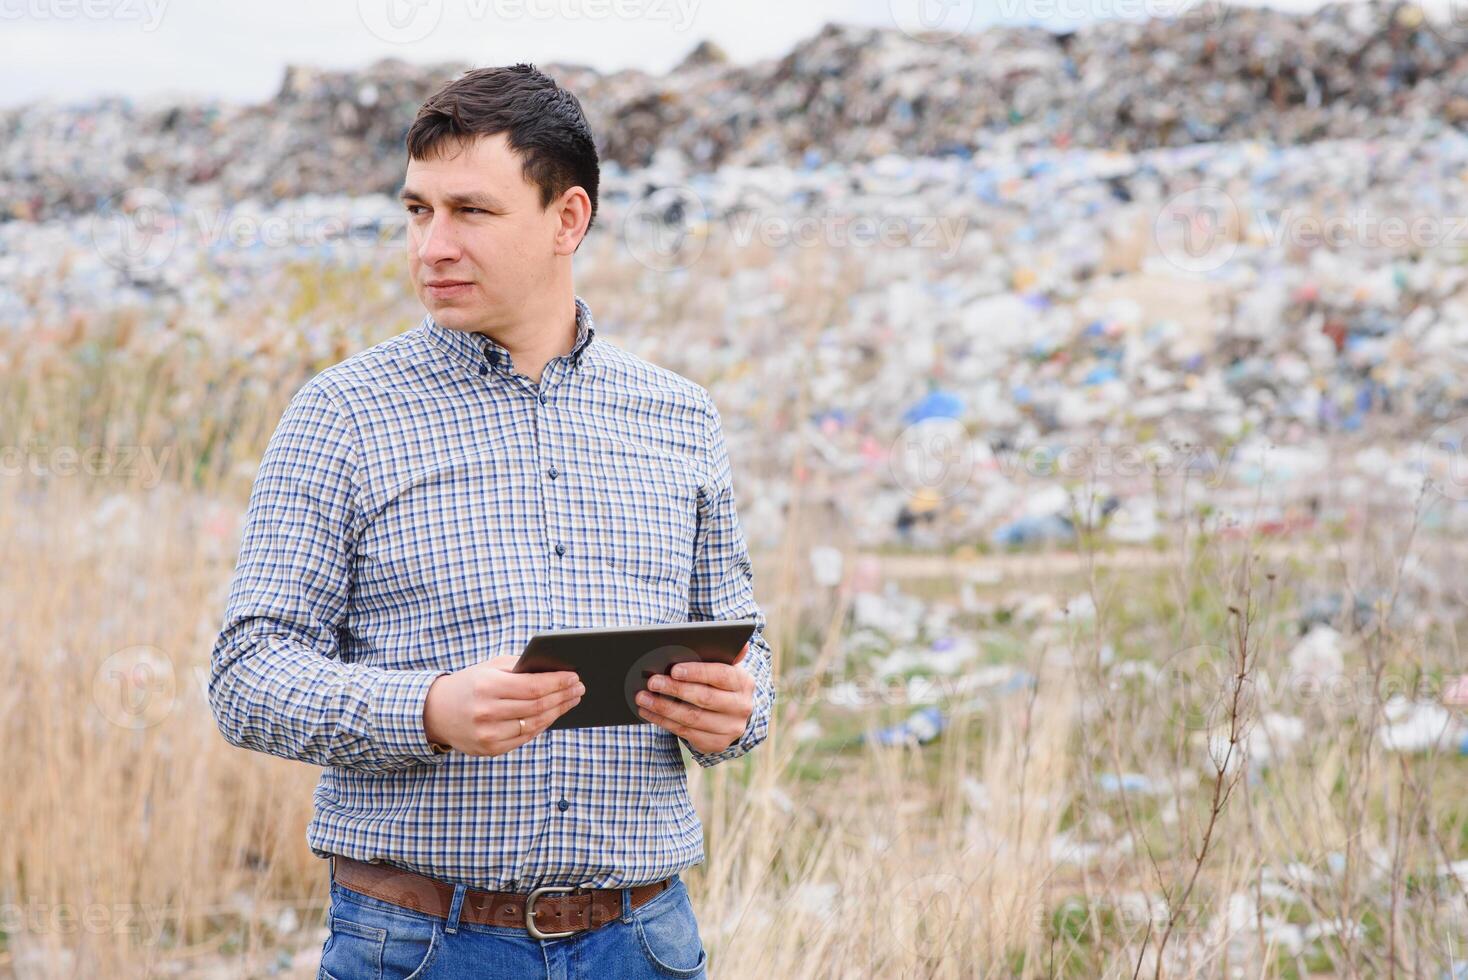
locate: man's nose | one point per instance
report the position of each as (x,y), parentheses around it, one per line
(438,242)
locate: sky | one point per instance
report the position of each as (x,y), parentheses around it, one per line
(74,50)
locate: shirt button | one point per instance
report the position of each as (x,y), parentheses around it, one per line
(560,549)
(483,370)
(542,399)
(563,805)
(553,472)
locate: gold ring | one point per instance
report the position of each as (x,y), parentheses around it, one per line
(522,726)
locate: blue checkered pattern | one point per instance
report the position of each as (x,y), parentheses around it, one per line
(421,507)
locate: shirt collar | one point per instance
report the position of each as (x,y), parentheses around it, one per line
(474,350)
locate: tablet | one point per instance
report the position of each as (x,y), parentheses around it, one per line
(615,662)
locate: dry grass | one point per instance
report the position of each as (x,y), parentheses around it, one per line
(138,843)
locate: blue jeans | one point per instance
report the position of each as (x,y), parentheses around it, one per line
(374,940)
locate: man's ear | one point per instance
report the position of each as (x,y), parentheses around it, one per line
(574,212)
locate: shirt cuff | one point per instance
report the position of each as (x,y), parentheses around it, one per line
(397,712)
(736,748)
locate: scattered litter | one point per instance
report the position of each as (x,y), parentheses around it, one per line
(1127,782)
(1421,727)
(920,728)
(1317,658)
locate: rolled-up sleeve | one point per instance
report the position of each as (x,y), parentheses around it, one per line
(277,683)
(722,585)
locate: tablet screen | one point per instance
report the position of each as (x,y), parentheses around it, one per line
(615,662)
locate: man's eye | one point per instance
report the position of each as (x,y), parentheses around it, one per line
(476,210)
(415,208)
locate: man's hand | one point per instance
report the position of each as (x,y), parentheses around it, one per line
(709,704)
(479,710)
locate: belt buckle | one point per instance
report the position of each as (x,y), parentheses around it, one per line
(530,910)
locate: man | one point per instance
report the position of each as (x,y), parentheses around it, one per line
(426,506)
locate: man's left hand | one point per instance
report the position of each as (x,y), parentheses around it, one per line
(708,704)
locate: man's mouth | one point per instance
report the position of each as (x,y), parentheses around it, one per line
(447,287)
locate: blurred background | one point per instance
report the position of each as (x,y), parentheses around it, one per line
(1094,376)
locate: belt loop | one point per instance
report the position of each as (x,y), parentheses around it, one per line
(626,894)
(331,871)
(453,924)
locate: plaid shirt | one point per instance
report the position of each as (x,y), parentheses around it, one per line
(421,507)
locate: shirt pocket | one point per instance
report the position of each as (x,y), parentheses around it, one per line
(646,508)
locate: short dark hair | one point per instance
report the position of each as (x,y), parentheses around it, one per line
(543,123)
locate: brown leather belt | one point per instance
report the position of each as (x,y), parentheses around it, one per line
(554,911)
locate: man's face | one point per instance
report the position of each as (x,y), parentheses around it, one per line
(478,240)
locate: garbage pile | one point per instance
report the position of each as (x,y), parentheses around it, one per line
(1021,365)
(1023,339)
(324,132)
(847,94)
(1051,361)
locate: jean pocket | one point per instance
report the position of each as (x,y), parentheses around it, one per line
(368,943)
(353,950)
(667,931)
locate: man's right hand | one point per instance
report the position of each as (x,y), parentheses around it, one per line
(478,710)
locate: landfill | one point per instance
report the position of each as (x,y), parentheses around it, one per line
(1040,382)
(847,94)
(1028,348)
(980,300)
(1031,346)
